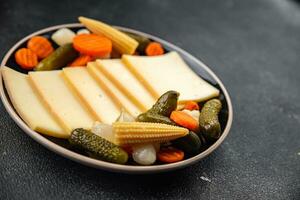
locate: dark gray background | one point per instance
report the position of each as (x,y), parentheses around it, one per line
(253,46)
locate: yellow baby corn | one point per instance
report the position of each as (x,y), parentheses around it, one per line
(145,132)
(121,42)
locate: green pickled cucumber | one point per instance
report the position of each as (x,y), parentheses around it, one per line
(165,104)
(190,144)
(58,59)
(208,120)
(161,110)
(152,117)
(143,41)
(97,146)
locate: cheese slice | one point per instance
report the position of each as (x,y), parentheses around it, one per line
(116,95)
(64,105)
(29,106)
(96,98)
(126,82)
(169,72)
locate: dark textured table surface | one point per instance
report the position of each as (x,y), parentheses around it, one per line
(253,46)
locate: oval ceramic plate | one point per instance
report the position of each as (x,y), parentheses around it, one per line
(58,147)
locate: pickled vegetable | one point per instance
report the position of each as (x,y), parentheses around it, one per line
(190,144)
(170,155)
(63,36)
(103,130)
(145,132)
(83,31)
(26,58)
(125,117)
(152,117)
(143,41)
(204,142)
(165,104)
(161,110)
(121,42)
(41,46)
(185,120)
(58,59)
(193,113)
(92,45)
(191,105)
(97,146)
(154,49)
(144,154)
(208,120)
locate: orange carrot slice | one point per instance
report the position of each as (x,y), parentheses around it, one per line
(82,60)
(191,105)
(170,155)
(41,46)
(154,49)
(92,44)
(26,58)
(185,120)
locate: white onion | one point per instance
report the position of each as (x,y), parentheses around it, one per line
(63,36)
(144,154)
(83,31)
(125,117)
(103,130)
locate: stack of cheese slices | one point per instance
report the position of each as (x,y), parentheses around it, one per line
(56,102)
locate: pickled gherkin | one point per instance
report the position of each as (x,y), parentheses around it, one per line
(190,144)
(161,110)
(165,104)
(152,117)
(58,59)
(208,120)
(97,146)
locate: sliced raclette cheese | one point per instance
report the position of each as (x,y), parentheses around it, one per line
(169,72)
(29,106)
(56,102)
(125,81)
(64,105)
(97,99)
(116,95)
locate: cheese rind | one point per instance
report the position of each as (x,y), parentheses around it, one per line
(29,106)
(96,98)
(126,82)
(116,95)
(64,105)
(160,74)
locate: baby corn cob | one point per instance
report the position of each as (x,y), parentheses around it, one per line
(121,42)
(145,132)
